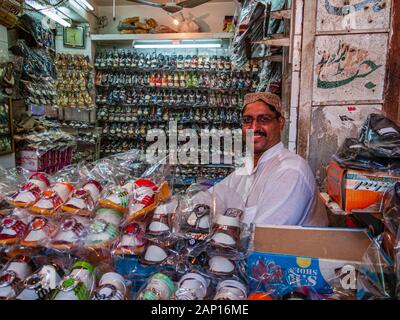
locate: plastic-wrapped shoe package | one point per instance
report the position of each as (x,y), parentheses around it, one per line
(71,232)
(53,198)
(78,284)
(146,195)
(14,226)
(104,229)
(111,287)
(132,239)
(13,275)
(85,199)
(41,230)
(29,193)
(40,284)
(159,287)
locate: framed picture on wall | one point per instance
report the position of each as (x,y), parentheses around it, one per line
(74,37)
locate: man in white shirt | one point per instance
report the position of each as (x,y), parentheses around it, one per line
(281,188)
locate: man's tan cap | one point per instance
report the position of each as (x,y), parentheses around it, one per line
(268,98)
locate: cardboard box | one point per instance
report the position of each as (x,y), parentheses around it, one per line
(291,256)
(357,189)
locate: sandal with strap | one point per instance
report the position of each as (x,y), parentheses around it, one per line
(146,196)
(117,198)
(132,240)
(101,234)
(53,198)
(13,227)
(29,193)
(40,229)
(72,231)
(226,230)
(162,218)
(78,285)
(13,275)
(85,199)
(40,284)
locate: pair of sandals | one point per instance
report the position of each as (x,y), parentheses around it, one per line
(13,275)
(40,284)
(230,290)
(77,285)
(192,286)
(53,198)
(13,226)
(159,287)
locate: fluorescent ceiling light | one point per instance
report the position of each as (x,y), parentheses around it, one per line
(49,12)
(183,46)
(176,44)
(87,5)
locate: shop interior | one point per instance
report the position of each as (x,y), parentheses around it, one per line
(88,88)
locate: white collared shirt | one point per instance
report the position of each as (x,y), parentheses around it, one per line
(280,190)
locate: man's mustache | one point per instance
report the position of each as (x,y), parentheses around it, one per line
(260,133)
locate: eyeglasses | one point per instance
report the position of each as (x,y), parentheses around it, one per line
(261,119)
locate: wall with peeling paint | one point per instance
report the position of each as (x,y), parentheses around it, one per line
(349,41)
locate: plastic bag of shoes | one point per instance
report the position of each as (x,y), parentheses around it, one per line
(111,287)
(145,198)
(158,287)
(230,290)
(226,229)
(53,198)
(71,232)
(40,231)
(40,284)
(13,275)
(78,285)
(117,197)
(132,239)
(192,286)
(30,192)
(101,233)
(14,226)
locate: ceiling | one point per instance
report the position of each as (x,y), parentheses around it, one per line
(124,2)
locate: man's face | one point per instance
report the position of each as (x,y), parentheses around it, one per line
(267,129)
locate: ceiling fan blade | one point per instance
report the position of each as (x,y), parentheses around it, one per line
(192,3)
(148,3)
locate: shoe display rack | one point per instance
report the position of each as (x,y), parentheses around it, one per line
(6,134)
(137,91)
(75,100)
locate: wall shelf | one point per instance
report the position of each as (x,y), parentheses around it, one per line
(122,38)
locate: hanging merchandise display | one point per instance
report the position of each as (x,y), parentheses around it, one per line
(75,99)
(74,81)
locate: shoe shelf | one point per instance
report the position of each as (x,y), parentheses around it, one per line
(155,89)
(181,89)
(168,70)
(168,106)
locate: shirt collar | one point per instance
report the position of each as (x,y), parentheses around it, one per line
(271,152)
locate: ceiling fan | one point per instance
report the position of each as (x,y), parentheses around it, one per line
(172,7)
